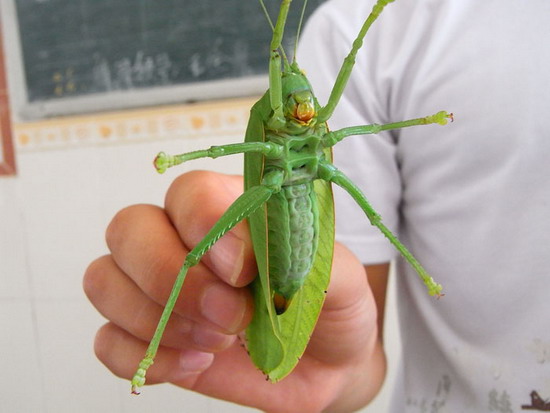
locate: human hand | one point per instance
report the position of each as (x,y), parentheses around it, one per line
(342,367)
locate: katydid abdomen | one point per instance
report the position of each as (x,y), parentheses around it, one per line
(292,211)
(293,232)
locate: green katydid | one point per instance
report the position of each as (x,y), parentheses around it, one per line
(288,203)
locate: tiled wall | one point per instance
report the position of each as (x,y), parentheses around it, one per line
(73,175)
(206,120)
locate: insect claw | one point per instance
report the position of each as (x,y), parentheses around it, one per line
(161,162)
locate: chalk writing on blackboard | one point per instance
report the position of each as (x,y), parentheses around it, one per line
(73,49)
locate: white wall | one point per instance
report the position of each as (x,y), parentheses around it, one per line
(53,217)
(73,175)
(52,220)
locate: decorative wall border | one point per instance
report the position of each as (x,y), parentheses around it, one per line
(199,120)
(7,157)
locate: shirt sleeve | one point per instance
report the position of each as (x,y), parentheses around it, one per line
(368,160)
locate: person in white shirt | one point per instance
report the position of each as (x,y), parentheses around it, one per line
(470,200)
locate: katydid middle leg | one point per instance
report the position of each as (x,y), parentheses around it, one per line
(333,137)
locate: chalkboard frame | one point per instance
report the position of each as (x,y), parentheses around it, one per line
(248,85)
(155,96)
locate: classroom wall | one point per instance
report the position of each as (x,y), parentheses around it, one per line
(73,174)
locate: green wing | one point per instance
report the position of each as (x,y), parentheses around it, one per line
(263,342)
(276,342)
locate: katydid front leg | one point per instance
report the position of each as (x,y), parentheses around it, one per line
(245,205)
(164,161)
(347,66)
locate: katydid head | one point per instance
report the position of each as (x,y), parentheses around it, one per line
(299,106)
(299,101)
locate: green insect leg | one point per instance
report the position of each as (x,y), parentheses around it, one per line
(275,83)
(163,161)
(345,71)
(332,138)
(329,172)
(245,205)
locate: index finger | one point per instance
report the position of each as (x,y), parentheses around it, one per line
(194,203)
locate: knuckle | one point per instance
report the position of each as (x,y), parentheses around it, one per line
(102,348)
(108,343)
(116,226)
(158,274)
(142,323)
(194,184)
(211,192)
(94,280)
(125,220)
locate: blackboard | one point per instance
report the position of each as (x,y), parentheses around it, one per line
(77,48)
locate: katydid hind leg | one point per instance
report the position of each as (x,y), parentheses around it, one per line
(330,173)
(245,205)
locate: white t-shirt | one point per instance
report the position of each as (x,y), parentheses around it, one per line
(470,199)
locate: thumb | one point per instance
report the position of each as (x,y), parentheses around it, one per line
(348,323)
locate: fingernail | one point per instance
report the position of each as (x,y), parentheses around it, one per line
(194,362)
(222,306)
(228,257)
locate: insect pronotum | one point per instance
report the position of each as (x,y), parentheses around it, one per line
(288,203)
